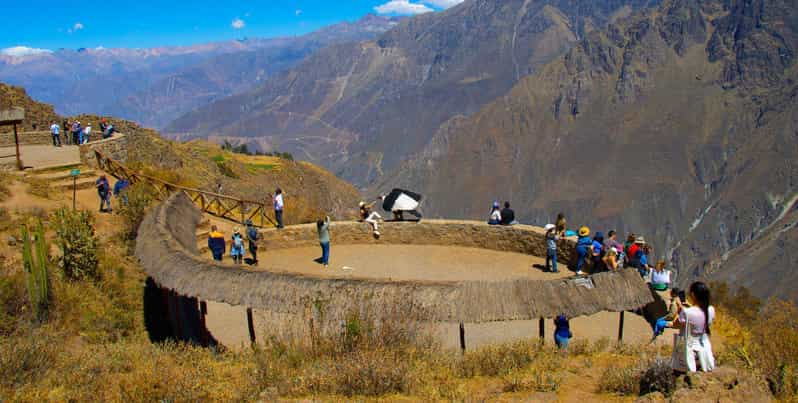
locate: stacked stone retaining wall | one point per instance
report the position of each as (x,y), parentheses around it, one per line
(114,147)
(26,138)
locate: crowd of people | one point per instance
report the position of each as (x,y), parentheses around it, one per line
(75,133)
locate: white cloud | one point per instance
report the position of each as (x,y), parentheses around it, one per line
(403,7)
(298,13)
(19,51)
(238,23)
(77,27)
(443,3)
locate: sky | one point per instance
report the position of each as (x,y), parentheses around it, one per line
(54,24)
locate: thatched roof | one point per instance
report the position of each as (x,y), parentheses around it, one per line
(166,247)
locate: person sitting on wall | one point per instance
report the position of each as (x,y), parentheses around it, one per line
(216,243)
(371,217)
(508,215)
(660,278)
(495,215)
(610,260)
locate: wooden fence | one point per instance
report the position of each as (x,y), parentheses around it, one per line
(231,208)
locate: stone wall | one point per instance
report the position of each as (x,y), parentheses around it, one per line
(26,138)
(517,238)
(167,251)
(115,147)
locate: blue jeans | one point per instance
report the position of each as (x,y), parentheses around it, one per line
(561,342)
(581,254)
(278,215)
(551,260)
(217,256)
(325,252)
(660,326)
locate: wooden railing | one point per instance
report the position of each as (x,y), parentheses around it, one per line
(231,208)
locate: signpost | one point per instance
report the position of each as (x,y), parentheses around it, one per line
(74,173)
(13,117)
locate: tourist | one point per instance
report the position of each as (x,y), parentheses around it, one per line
(76,132)
(216,243)
(277,200)
(694,321)
(55,131)
(610,259)
(252,238)
(495,215)
(674,308)
(562,332)
(86,134)
(109,131)
(120,191)
(103,126)
(660,278)
(371,217)
(630,240)
(66,126)
(237,246)
(508,215)
(560,223)
(612,242)
(598,252)
(551,247)
(104,192)
(583,245)
(643,267)
(324,240)
(635,251)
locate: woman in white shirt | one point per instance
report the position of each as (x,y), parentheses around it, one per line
(495,215)
(695,322)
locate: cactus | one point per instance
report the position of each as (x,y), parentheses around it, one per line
(34,255)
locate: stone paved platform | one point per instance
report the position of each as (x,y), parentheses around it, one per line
(41,156)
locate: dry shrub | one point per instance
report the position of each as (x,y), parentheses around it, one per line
(542,376)
(658,377)
(501,359)
(26,357)
(580,347)
(13,301)
(5,180)
(621,378)
(38,187)
(139,197)
(776,351)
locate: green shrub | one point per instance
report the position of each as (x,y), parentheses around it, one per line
(139,198)
(35,261)
(75,237)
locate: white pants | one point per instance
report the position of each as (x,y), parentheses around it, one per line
(372,219)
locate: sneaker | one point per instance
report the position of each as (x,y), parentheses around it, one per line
(326,266)
(579,273)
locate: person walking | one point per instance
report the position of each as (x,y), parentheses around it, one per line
(252,238)
(277,200)
(120,191)
(324,240)
(104,192)
(237,246)
(551,247)
(562,332)
(216,243)
(55,131)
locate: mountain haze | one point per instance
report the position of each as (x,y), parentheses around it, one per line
(361,109)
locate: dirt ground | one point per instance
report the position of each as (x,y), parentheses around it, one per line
(410,262)
(39,156)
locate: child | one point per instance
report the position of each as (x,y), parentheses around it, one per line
(551,247)
(237,248)
(673,311)
(562,332)
(324,240)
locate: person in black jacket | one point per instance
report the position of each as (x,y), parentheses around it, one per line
(508,215)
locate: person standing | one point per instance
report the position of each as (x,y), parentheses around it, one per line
(598,252)
(562,332)
(120,191)
(76,133)
(324,240)
(104,192)
(252,237)
(216,243)
(237,246)
(612,242)
(66,126)
(277,199)
(560,223)
(55,131)
(583,245)
(86,134)
(508,215)
(551,247)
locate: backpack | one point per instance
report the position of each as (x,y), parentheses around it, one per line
(238,242)
(252,233)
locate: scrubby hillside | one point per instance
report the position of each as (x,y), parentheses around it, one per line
(678,123)
(37,115)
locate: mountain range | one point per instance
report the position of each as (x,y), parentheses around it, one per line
(156,85)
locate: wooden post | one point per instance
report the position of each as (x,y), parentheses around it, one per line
(251,326)
(204,311)
(620,327)
(241,207)
(462,337)
(16,143)
(542,329)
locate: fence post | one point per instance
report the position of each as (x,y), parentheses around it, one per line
(542,330)
(241,207)
(462,337)
(251,326)
(620,327)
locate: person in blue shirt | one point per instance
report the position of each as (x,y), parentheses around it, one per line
(237,246)
(583,245)
(252,237)
(598,252)
(562,332)
(216,244)
(120,191)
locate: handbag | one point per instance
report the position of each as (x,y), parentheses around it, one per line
(680,353)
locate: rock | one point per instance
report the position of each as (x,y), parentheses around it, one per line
(725,384)
(11,241)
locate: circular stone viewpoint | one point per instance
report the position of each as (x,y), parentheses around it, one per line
(452,271)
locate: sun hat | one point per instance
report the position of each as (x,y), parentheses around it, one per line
(640,240)
(236,230)
(549,227)
(584,231)
(362,204)
(614,250)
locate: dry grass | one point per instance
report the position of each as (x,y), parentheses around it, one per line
(38,187)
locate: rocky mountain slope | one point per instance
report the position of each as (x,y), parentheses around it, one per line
(680,123)
(154,86)
(361,109)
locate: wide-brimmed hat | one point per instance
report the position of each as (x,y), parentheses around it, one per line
(549,227)
(640,240)
(584,231)
(362,204)
(236,230)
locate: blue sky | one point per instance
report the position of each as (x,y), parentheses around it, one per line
(53,24)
